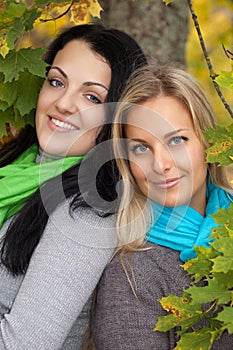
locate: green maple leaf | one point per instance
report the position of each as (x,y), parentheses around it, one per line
(22,93)
(225,278)
(10,12)
(17,61)
(3,105)
(220,232)
(182,313)
(225,79)
(197,340)
(223,264)
(29,17)
(224,245)
(8,94)
(28,90)
(202,265)
(213,291)
(222,148)
(226,316)
(224,216)
(14,33)
(12,116)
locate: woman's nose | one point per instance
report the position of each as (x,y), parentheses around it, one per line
(162,160)
(67,103)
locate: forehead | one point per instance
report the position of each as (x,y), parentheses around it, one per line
(77,57)
(159,116)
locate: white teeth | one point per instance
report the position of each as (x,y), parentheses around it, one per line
(63,125)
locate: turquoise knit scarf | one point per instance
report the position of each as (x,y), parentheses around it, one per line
(181,228)
(24,176)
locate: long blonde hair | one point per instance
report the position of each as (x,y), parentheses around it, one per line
(150,82)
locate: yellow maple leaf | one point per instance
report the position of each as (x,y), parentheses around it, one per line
(82,11)
(4,49)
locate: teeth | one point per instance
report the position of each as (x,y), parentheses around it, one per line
(63,125)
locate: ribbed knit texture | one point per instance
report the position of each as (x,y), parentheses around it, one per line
(38,310)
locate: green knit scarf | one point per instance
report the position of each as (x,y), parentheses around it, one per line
(24,176)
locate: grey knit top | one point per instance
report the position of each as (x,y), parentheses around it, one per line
(122,321)
(48,307)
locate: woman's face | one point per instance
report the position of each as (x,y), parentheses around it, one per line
(166,157)
(69,112)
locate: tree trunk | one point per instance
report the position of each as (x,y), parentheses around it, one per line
(160,30)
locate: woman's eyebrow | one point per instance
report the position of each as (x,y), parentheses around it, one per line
(90,83)
(136,140)
(60,71)
(174,132)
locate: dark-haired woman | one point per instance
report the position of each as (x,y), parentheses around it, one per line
(56,241)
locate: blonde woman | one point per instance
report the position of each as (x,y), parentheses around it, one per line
(160,149)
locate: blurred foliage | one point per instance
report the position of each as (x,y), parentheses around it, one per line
(216,21)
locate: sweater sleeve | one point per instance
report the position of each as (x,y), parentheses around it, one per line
(62,274)
(122,320)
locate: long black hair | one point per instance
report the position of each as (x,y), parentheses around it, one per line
(124,56)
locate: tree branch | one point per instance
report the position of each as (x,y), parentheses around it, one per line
(61,15)
(213,75)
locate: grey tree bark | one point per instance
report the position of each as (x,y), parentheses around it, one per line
(160,30)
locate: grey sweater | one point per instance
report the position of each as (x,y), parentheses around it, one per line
(123,322)
(48,307)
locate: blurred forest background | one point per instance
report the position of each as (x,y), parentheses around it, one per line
(165,32)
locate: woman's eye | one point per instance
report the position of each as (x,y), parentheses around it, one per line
(93,99)
(139,149)
(56,83)
(177,140)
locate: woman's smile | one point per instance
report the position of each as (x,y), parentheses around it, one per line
(169,183)
(56,124)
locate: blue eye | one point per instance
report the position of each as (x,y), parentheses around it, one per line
(177,140)
(93,99)
(56,83)
(140,149)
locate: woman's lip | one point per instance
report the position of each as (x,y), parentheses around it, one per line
(60,124)
(167,183)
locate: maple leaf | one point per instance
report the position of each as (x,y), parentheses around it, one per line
(224,216)
(4,49)
(226,316)
(82,11)
(28,89)
(223,263)
(22,93)
(8,95)
(225,79)
(214,290)
(200,266)
(10,12)
(17,61)
(197,340)
(182,313)
(14,33)
(222,148)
